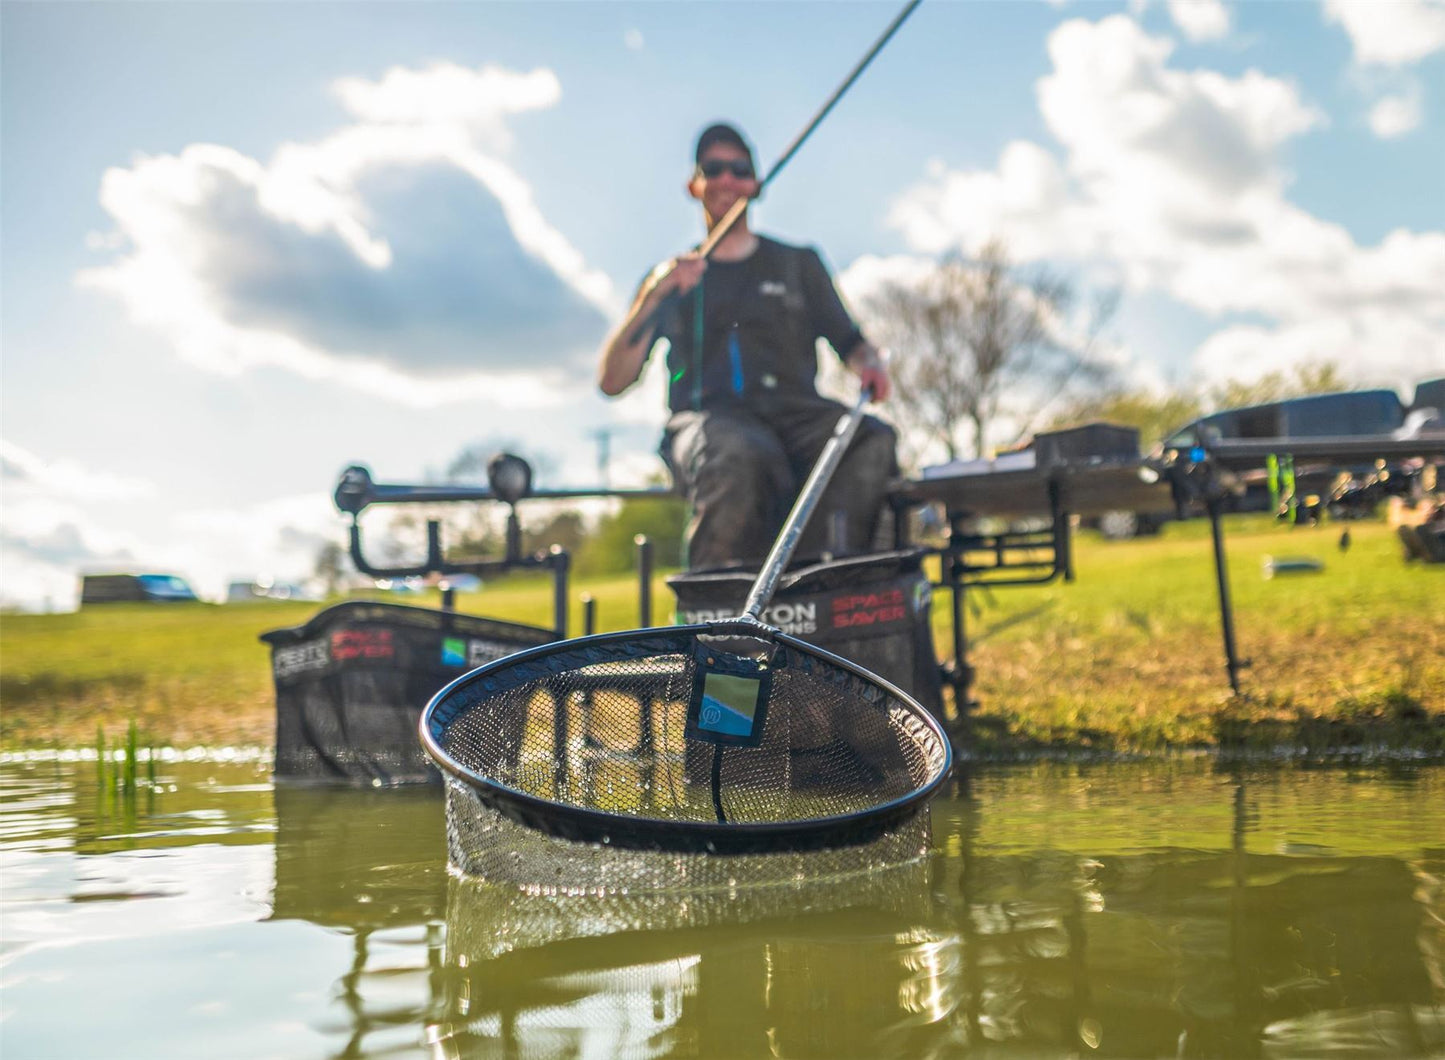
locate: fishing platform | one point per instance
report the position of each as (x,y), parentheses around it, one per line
(351,683)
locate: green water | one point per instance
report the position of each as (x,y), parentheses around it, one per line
(1139,910)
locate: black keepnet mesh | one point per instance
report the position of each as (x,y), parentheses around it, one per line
(589,740)
(352,681)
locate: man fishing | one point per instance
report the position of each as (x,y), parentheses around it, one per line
(747,423)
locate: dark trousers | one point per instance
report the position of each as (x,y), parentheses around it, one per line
(742,466)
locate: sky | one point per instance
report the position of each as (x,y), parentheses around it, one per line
(245,245)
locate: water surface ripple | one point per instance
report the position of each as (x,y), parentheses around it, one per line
(1162,909)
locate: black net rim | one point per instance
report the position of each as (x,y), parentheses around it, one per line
(597,826)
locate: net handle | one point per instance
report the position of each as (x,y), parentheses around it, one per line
(766,582)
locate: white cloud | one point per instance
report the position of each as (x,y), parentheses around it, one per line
(47,533)
(399,255)
(1245,351)
(1387,38)
(1176,177)
(870,273)
(449,96)
(633,40)
(1028,196)
(1395,116)
(22,473)
(277,538)
(1390,32)
(1200,20)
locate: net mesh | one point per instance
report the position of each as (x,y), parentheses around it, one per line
(590,739)
(485,846)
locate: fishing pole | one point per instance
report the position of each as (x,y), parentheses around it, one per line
(726,222)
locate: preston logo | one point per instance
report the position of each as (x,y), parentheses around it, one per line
(484,651)
(922,597)
(454,651)
(796,619)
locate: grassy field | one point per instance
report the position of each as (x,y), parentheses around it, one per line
(1126,658)
(1130,656)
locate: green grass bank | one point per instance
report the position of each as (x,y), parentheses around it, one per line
(1127,658)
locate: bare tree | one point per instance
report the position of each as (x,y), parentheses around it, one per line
(977,343)
(332,563)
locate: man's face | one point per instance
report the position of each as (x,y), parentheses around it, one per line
(716,183)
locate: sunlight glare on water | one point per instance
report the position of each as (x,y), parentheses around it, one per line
(1130,910)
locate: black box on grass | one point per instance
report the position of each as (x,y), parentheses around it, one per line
(1087,443)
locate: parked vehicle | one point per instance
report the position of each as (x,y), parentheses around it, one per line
(134,588)
(1348,414)
(1358,412)
(266,589)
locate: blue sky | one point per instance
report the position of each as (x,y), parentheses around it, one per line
(245,244)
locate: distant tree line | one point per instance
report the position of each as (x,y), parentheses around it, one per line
(1156,414)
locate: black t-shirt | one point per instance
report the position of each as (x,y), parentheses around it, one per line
(761,318)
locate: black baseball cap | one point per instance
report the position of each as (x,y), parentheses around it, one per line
(721,133)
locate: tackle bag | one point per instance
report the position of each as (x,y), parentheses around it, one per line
(351,684)
(872,610)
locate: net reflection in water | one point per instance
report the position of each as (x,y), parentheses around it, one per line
(646,953)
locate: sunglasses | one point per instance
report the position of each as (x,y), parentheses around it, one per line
(716,167)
